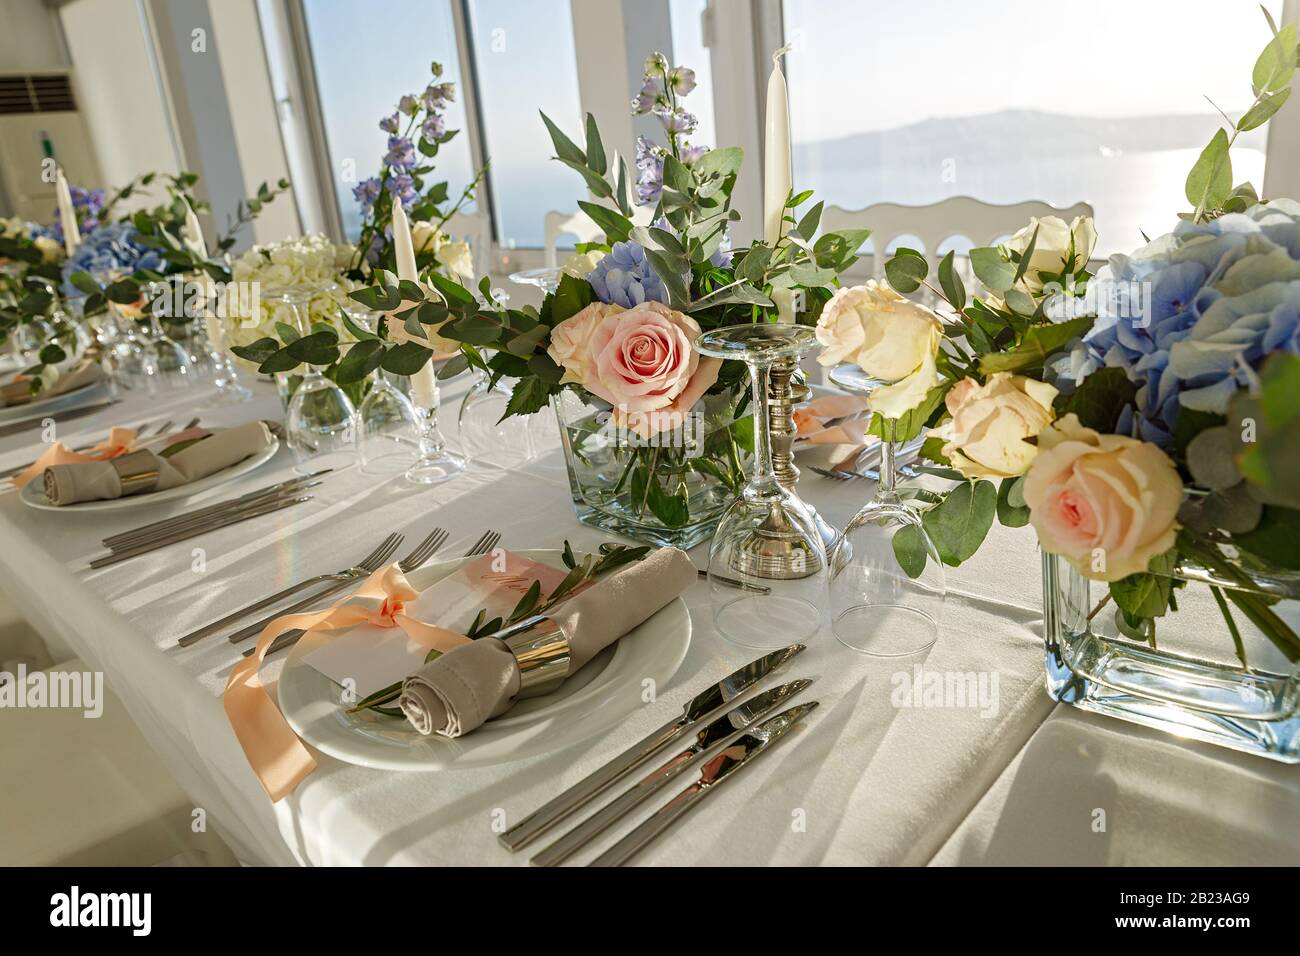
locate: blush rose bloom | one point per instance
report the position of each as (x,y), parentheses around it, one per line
(570,346)
(889,337)
(642,361)
(985,438)
(1106,503)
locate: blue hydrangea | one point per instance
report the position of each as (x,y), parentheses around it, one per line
(1219,298)
(624,277)
(110,249)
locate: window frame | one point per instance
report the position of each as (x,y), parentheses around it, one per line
(740,35)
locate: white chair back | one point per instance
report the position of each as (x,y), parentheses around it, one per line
(980,222)
(474,228)
(577,224)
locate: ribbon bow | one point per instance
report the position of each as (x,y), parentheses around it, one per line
(120,441)
(275,753)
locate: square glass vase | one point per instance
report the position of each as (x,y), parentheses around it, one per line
(669,489)
(1195,679)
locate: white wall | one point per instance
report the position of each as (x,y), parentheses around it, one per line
(117,88)
(252,111)
(30,39)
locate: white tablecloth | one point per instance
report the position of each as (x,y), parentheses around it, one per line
(863,781)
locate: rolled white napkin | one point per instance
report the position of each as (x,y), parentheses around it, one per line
(18,391)
(460,690)
(97,480)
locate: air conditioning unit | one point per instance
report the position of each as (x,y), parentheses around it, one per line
(39,120)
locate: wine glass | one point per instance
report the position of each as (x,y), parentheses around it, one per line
(390,428)
(322,421)
(767,564)
(547,279)
(887,584)
(167,364)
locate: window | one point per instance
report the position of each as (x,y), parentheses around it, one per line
(525,62)
(1023,99)
(363,69)
(689,50)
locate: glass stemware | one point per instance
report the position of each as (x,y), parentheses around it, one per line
(767,564)
(322,421)
(547,279)
(167,363)
(390,428)
(437,462)
(887,584)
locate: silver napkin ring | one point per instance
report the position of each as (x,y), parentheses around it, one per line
(542,650)
(138,472)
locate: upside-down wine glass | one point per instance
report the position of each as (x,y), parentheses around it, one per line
(887,584)
(322,421)
(767,564)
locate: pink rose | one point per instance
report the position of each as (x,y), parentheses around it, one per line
(570,346)
(1106,503)
(643,360)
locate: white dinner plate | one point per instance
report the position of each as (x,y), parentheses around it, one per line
(33,493)
(594,699)
(88,393)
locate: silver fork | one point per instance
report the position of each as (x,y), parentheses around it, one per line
(420,554)
(484,544)
(367,564)
(903,471)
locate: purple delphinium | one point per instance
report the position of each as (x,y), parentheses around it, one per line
(677,121)
(624,277)
(401,153)
(433,128)
(367,191)
(402,188)
(391,124)
(650,172)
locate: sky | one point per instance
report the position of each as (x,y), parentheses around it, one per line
(861,65)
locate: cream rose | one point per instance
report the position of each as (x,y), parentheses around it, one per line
(886,335)
(985,438)
(643,360)
(580,263)
(424,237)
(50,249)
(1106,503)
(570,346)
(455,256)
(1055,246)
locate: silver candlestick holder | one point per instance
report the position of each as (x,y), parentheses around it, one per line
(787,389)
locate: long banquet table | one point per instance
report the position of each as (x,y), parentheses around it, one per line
(865,780)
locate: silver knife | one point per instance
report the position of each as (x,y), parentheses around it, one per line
(720,768)
(703,706)
(708,742)
(278,504)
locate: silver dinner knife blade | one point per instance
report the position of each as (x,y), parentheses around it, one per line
(720,768)
(703,706)
(709,740)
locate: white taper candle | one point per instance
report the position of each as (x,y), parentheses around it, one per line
(776,153)
(424,383)
(67,214)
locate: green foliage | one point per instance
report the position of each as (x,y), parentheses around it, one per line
(959,524)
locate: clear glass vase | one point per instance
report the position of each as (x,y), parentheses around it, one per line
(669,490)
(1193,677)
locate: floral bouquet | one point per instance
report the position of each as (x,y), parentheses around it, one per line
(120,254)
(345,349)
(655,435)
(1143,421)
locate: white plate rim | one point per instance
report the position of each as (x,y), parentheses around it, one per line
(12,415)
(33,493)
(460,754)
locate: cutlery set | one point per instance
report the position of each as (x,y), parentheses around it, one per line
(725,734)
(327,585)
(190,524)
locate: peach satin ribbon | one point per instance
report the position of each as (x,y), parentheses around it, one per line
(120,441)
(275,753)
